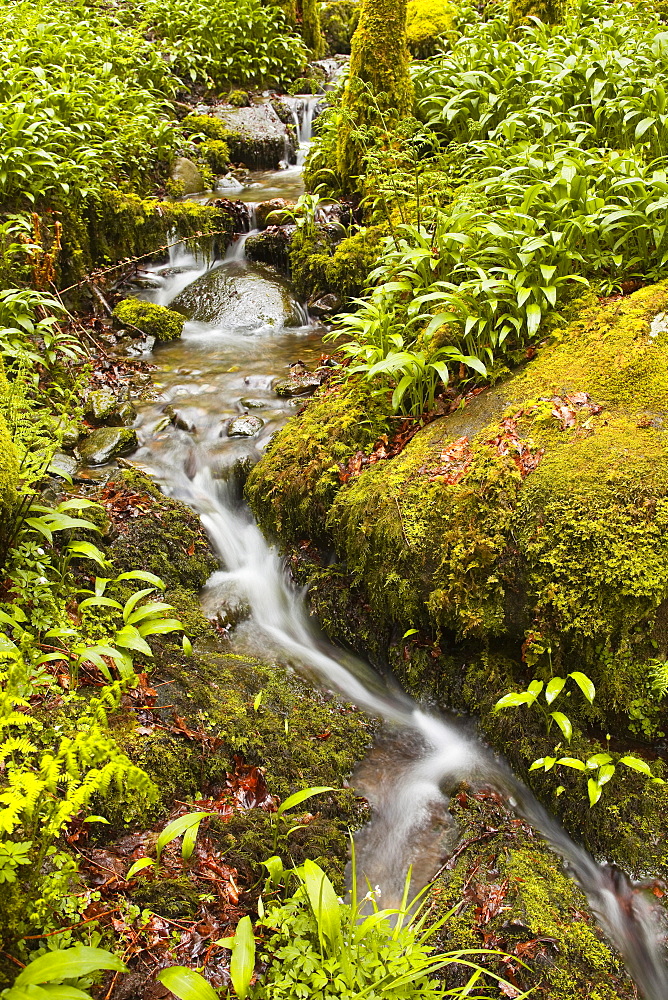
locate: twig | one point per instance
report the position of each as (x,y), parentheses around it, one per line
(401,522)
(72,927)
(12,959)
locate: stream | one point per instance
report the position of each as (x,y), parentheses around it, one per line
(247,328)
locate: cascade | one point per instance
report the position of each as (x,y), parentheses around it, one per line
(211,370)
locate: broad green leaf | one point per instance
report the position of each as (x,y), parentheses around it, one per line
(86,550)
(139,866)
(69,963)
(577,765)
(554,689)
(299,797)
(595,791)
(324,901)
(637,764)
(598,759)
(564,724)
(513,700)
(605,773)
(177,827)
(242,963)
(585,685)
(100,602)
(186,984)
(142,574)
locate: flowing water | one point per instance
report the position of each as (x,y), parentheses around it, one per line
(246,329)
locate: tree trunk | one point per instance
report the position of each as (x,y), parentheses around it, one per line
(379,87)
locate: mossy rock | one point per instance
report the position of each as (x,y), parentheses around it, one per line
(549,11)
(294,485)
(239,99)
(319,267)
(152,320)
(509,892)
(426,22)
(494,566)
(121,226)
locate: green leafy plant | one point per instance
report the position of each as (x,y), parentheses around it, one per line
(321,947)
(278,819)
(600,767)
(56,974)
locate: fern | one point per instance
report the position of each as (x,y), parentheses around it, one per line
(659,677)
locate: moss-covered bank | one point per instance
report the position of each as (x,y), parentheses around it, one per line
(523,536)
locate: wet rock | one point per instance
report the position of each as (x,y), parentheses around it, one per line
(186,176)
(71,435)
(237,298)
(326,305)
(296,385)
(180,419)
(125,413)
(100,405)
(258,138)
(63,466)
(245,426)
(253,404)
(271,247)
(105,443)
(277,209)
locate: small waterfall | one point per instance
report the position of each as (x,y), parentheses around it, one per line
(306,130)
(443,753)
(237,248)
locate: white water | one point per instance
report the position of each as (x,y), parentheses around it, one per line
(429,754)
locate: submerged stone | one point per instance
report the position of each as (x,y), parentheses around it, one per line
(239,298)
(105,443)
(253,404)
(245,426)
(298,385)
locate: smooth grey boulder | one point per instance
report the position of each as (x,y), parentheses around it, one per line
(253,404)
(258,138)
(186,175)
(245,426)
(296,385)
(236,298)
(105,443)
(63,466)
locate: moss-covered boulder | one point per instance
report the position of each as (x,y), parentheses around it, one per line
(509,892)
(426,22)
(152,320)
(524,536)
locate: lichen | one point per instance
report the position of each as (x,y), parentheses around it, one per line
(152,320)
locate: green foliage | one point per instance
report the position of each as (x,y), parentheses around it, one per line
(426,22)
(321,947)
(154,321)
(240,41)
(51,974)
(601,763)
(338,20)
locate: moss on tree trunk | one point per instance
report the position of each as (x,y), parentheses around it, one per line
(379,87)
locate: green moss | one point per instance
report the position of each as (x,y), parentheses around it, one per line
(292,488)
(238,99)
(317,268)
(550,11)
(378,81)
(154,321)
(217,155)
(311,30)
(540,915)
(123,226)
(426,22)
